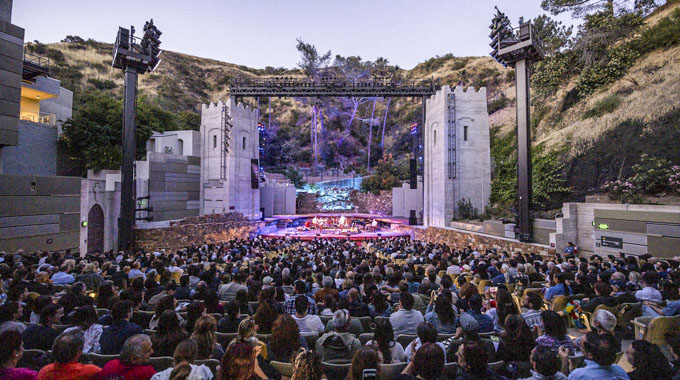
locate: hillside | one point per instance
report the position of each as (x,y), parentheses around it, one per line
(589,126)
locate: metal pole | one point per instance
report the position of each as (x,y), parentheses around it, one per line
(127,195)
(523,151)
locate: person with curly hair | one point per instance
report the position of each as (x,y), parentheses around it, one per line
(264,317)
(285,340)
(648,362)
(204,334)
(517,340)
(307,366)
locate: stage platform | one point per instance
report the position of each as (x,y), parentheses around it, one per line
(356,227)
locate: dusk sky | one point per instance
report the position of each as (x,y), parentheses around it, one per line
(260,33)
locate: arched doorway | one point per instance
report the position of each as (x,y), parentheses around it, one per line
(95,229)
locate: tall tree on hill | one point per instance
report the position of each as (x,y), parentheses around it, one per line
(313,65)
(581,8)
(353,69)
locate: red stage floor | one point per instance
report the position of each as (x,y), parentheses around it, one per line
(292,226)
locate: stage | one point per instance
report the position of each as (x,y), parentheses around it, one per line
(335,226)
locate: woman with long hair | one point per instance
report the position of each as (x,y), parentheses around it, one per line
(106,291)
(166,303)
(184,356)
(366,358)
(307,366)
(194,311)
(85,319)
(517,340)
(264,317)
(504,307)
(240,363)
(383,340)
(648,362)
(442,316)
(285,339)
(247,332)
(554,334)
(379,307)
(168,334)
(204,335)
(242,301)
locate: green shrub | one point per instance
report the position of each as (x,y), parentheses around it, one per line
(652,174)
(603,106)
(497,104)
(102,84)
(465,210)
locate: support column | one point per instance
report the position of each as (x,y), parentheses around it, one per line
(126,221)
(523,151)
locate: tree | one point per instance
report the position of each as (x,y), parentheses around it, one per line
(581,8)
(556,37)
(353,69)
(312,63)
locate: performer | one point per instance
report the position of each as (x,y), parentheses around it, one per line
(374,225)
(342,222)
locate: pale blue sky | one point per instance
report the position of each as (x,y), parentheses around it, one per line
(260,33)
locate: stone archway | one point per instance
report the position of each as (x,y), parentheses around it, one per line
(95,229)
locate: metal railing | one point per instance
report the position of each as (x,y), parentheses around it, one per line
(42,118)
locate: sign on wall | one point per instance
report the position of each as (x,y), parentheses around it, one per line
(612,242)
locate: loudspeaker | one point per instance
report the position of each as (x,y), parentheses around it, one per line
(412,220)
(413,168)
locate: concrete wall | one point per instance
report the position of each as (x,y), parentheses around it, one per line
(39,213)
(11,66)
(405,199)
(233,193)
(35,153)
(183,143)
(174,183)
(61,107)
(457,163)
(459,239)
(277,200)
(642,229)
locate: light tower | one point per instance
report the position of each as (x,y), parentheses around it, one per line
(133,56)
(517,48)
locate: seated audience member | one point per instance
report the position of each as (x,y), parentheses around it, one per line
(307,366)
(247,332)
(300,290)
(379,306)
(602,297)
(308,324)
(558,289)
(516,342)
(648,362)
(285,340)
(533,302)
(600,355)
(468,331)
(440,313)
(10,312)
(472,358)
(204,335)
(545,365)
(356,307)
(405,320)
(66,351)
(113,337)
(85,320)
(338,344)
(133,363)
(42,336)
(240,363)
(168,334)
(11,350)
(184,356)
(554,332)
(426,334)
(673,342)
(485,322)
(649,294)
(383,339)
(230,321)
(327,290)
(428,364)
(63,277)
(169,290)
(265,316)
(166,303)
(364,360)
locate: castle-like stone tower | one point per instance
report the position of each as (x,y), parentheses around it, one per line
(229,180)
(457,154)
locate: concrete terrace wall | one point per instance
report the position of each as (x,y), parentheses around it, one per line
(36,152)
(210,228)
(460,239)
(39,213)
(11,66)
(174,184)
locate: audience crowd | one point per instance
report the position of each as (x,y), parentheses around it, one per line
(389,308)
